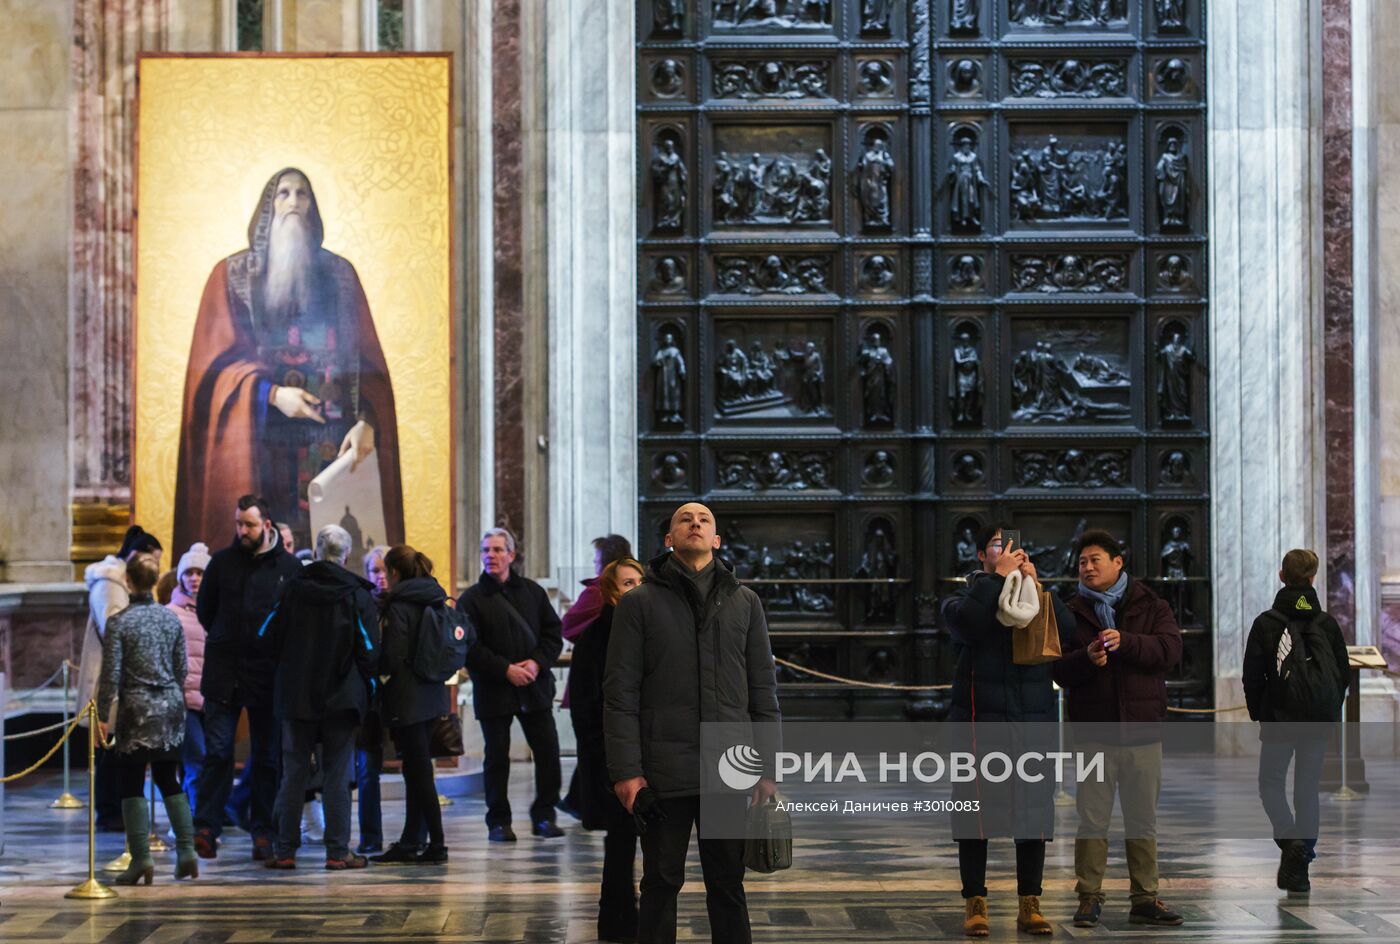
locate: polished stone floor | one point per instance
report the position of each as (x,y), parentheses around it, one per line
(883,885)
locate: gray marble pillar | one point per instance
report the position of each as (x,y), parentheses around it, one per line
(592,282)
(1267,452)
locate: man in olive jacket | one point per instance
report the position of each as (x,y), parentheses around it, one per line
(689,645)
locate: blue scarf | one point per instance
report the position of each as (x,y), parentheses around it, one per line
(1106,601)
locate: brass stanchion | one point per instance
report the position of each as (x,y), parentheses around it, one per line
(155,843)
(120,864)
(66,800)
(92,889)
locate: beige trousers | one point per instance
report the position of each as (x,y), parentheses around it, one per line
(1135,774)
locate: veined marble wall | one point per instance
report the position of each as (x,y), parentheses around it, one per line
(35,226)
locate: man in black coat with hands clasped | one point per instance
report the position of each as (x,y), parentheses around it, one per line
(690,645)
(518,639)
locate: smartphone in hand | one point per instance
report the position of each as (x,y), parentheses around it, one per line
(1010,537)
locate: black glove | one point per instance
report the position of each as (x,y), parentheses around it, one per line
(646,810)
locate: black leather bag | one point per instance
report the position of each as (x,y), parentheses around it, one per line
(768,838)
(445,738)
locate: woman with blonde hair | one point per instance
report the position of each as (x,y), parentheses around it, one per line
(598,806)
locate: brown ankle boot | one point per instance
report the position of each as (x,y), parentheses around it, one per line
(976,924)
(1030,919)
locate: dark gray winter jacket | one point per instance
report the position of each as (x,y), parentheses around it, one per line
(674,661)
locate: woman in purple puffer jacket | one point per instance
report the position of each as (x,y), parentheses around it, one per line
(188,575)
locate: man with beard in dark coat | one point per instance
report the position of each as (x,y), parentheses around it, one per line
(325,635)
(517,641)
(690,645)
(241,586)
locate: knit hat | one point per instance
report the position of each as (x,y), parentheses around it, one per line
(196,557)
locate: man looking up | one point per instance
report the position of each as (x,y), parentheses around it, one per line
(689,645)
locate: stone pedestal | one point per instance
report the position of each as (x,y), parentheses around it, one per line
(40,626)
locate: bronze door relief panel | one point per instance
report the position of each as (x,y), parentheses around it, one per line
(908,266)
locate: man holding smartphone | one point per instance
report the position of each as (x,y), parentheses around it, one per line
(1114,676)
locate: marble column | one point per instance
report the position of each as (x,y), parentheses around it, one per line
(35,229)
(1380,435)
(592,282)
(1368,552)
(1338,368)
(1267,447)
(107,37)
(508,279)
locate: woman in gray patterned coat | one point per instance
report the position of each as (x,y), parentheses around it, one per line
(143,669)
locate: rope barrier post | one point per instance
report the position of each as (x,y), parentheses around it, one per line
(156,843)
(1062,796)
(66,800)
(92,889)
(1345,794)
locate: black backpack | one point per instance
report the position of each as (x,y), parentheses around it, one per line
(444,636)
(1305,687)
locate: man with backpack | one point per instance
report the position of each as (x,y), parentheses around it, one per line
(324,633)
(518,639)
(1295,680)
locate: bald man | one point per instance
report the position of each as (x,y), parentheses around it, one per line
(658,670)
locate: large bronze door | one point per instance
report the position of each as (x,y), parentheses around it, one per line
(907,267)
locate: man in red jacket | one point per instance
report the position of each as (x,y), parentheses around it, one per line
(1114,677)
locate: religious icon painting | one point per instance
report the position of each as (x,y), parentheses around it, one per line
(293,299)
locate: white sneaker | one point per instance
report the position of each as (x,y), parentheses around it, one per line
(313,823)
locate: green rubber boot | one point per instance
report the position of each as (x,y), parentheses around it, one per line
(177,808)
(138,841)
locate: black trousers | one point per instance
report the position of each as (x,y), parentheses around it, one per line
(421,808)
(543,739)
(131,773)
(216,778)
(617,901)
(972,866)
(664,848)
